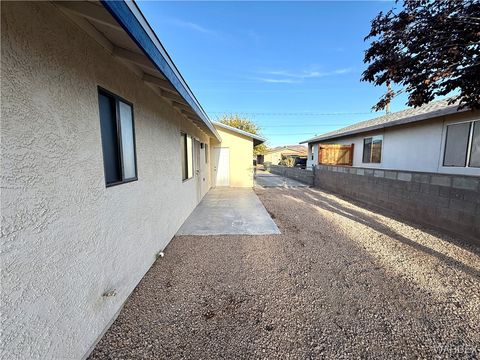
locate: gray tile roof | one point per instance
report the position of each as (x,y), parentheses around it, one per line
(425,112)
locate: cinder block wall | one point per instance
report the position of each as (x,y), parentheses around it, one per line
(305,176)
(451,202)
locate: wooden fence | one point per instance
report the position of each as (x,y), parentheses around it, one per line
(335,154)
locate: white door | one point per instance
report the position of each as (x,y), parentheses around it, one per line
(221,166)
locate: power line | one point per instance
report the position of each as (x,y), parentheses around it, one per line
(289,134)
(253,113)
(300,125)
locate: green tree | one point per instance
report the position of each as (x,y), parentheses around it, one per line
(427,48)
(244,124)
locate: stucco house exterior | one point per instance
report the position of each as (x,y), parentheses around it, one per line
(434,138)
(422,163)
(233,165)
(276,154)
(105,151)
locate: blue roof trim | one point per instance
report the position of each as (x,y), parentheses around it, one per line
(128,21)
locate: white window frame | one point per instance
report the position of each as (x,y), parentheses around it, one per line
(188,174)
(461,170)
(381,149)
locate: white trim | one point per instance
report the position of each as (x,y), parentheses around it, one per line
(245,133)
(460,170)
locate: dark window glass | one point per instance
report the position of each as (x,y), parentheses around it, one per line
(118,139)
(108,126)
(456,144)
(475,152)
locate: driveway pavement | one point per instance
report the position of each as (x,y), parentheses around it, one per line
(266,179)
(342,281)
(229,211)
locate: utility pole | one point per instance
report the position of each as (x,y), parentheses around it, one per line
(389,91)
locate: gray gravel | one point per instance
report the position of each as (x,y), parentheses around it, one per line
(340,282)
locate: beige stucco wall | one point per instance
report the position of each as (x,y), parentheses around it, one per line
(274,157)
(241,157)
(67,239)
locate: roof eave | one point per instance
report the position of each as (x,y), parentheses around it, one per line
(407,120)
(131,19)
(257,140)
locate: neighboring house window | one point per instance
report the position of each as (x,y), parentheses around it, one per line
(118,138)
(186,151)
(311,151)
(462,145)
(206,153)
(372,149)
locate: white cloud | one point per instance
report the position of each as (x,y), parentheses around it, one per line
(193,26)
(279,80)
(291,77)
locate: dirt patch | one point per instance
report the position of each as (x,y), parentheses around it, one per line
(341,281)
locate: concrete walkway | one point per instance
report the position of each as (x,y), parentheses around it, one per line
(229,211)
(266,180)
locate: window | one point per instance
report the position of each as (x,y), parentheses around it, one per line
(118,139)
(462,145)
(186,151)
(206,153)
(372,149)
(475,152)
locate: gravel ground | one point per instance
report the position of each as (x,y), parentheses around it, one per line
(342,281)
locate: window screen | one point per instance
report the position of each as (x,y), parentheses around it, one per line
(183,154)
(186,146)
(189,157)
(456,144)
(128,142)
(475,147)
(367,150)
(118,139)
(376,149)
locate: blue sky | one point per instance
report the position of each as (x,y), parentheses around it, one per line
(292,67)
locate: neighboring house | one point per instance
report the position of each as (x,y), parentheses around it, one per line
(105,152)
(436,137)
(422,163)
(276,154)
(233,156)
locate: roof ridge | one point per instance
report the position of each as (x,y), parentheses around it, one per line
(411,114)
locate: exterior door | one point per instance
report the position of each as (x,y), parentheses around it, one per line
(221,166)
(198,166)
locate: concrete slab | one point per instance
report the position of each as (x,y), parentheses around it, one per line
(229,211)
(265,179)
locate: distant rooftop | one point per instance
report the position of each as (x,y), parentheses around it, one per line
(289,148)
(425,112)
